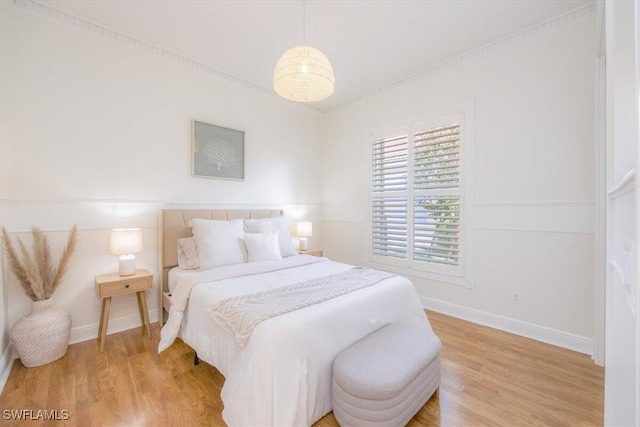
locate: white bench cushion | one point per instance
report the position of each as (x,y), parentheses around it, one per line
(386,377)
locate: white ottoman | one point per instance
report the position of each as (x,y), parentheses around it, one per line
(386,377)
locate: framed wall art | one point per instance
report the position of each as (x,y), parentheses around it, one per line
(217,152)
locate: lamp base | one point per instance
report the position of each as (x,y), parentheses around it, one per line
(304,244)
(127,265)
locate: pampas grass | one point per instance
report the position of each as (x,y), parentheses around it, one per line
(35,271)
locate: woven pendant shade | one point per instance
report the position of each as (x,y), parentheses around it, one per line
(303,74)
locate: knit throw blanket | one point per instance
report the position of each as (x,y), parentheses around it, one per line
(240,315)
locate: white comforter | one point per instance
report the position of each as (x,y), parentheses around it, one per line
(282,377)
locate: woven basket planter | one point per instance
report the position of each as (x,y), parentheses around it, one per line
(42,336)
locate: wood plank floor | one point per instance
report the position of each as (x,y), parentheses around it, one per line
(489,378)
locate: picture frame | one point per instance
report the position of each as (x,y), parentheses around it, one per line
(217,152)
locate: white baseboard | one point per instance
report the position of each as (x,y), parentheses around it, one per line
(90,332)
(518,327)
(6,363)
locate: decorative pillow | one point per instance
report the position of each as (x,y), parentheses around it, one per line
(187,254)
(262,246)
(270,225)
(219,242)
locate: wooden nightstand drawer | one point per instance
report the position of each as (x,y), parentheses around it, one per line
(112,289)
(108,285)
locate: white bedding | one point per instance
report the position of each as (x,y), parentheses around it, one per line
(176,274)
(282,377)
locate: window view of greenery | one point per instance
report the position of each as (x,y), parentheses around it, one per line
(436,224)
(437,212)
(431,190)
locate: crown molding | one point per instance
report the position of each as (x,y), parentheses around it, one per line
(119,37)
(561,21)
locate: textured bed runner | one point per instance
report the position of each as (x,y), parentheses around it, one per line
(240,315)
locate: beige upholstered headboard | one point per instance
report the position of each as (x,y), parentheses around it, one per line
(174,225)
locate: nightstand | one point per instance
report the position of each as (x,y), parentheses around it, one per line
(314,252)
(109,285)
(166,301)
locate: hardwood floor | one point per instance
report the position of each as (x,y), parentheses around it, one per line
(489,378)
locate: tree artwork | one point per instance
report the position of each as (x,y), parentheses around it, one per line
(217,152)
(220,153)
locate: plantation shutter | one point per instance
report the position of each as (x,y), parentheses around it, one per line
(436,202)
(389,201)
(417,195)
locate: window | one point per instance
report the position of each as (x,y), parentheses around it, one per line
(417,195)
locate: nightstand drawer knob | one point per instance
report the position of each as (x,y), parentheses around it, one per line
(126,286)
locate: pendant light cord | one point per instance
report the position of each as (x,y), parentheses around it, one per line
(304,23)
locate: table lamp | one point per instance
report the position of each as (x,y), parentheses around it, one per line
(304,229)
(126,242)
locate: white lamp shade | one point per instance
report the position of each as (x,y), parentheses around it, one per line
(303,74)
(304,229)
(126,241)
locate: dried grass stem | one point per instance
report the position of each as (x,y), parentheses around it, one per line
(35,271)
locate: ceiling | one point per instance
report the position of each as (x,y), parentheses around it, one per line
(369,43)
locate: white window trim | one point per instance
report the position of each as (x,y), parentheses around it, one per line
(467,200)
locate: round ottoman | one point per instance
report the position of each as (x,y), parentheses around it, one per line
(386,377)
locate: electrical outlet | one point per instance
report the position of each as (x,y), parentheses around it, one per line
(515,297)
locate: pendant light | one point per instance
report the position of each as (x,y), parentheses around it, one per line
(303,73)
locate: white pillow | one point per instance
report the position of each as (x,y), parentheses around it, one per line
(270,225)
(219,242)
(262,246)
(187,254)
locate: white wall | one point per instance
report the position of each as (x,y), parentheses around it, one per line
(534,181)
(97,133)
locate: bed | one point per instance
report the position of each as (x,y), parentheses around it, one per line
(280,373)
